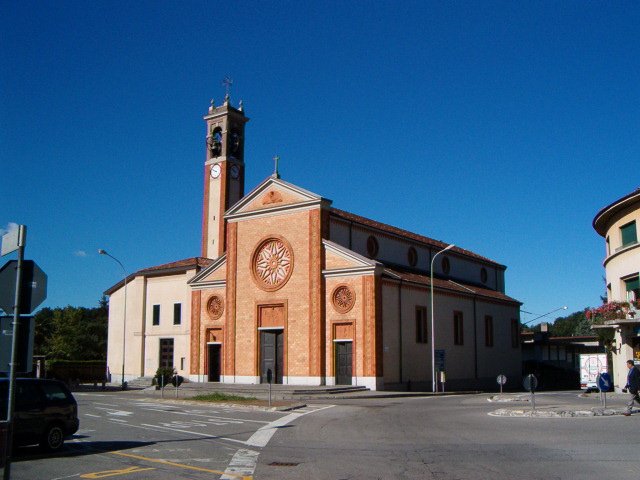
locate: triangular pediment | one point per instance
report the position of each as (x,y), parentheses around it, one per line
(341,260)
(214,274)
(273,195)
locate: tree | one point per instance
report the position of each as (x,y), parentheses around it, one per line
(72,333)
(571,325)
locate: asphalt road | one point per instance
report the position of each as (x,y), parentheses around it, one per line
(452,438)
(124,436)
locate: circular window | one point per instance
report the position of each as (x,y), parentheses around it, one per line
(446,265)
(215,307)
(343,298)
(412,256)
(372,246)
(272,263)
(483,275)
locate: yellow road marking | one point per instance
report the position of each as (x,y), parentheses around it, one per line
(181,465)
(113,473)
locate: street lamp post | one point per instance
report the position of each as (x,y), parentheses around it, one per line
(124,321)
(433,336)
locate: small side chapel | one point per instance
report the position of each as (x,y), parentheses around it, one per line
(288,284)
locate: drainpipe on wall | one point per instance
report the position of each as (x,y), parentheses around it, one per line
(400,327)
(475,338)
(143,349)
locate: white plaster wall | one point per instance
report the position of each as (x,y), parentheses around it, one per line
(502,357)
(166,291)
(620,265)
(142,339)
(390,334)
(460,360)
(133,342)
(624,262)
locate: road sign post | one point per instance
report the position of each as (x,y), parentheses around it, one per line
(604,384)
(530,384)
(501,379)
(439,364)
(21,241)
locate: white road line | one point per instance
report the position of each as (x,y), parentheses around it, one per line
(105,404)
(91,415)
(194,433)
(264,434)
(206,416)
(244,461)
(119,413)
(243,464)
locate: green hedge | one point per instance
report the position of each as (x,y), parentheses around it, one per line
(81,371)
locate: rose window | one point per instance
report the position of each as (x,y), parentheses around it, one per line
(215,307)
(343,298)
(272,264)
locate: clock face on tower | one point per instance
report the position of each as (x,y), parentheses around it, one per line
(235,171)
(215,170)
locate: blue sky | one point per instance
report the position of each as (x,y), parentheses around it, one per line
(502,127)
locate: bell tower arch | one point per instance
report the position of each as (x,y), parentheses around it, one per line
(223,172)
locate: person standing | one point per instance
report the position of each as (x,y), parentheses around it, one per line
(633,385)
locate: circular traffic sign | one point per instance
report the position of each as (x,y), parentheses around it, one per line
(501,379)
(604,382)
(530,382)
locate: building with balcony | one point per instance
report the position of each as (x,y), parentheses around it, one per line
(618,224)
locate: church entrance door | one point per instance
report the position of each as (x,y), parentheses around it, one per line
(166,352)
(271,355)
(213,362)
(343,363)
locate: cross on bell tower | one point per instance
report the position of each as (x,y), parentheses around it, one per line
(223,170)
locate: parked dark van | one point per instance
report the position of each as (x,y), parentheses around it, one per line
(45,412)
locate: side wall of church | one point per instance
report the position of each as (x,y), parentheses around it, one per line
(142,347)
(135,327)
(167,291)
(395,250)
(469,364)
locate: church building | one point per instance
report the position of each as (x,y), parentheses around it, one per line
(289,287)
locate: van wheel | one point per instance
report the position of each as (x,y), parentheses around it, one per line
(53,438)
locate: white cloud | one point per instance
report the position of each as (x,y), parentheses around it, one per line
(11,226)
(80,253)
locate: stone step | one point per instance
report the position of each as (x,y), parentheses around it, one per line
(329,390)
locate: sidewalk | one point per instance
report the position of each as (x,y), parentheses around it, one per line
(261,391)
(549,406)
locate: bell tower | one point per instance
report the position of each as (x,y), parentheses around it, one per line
(223,172)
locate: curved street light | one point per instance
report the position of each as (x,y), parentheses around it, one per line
(124,322)
(433,337)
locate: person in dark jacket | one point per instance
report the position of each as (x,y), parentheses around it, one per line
(633,385)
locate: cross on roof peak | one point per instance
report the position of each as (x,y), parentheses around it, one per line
(227,82)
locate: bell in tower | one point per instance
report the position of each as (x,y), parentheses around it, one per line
(223,172)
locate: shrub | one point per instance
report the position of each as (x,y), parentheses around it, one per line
(163,376)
